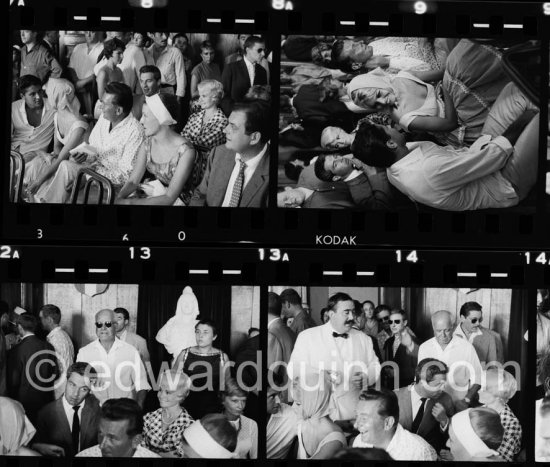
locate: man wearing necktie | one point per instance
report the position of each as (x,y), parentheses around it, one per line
(237,172)
(424,407)
(238,77)
(339,352)
(69,424)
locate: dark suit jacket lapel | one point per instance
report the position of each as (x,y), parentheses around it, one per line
(258,179)
(63,424)
(226,163)
(427,420)
(244,71)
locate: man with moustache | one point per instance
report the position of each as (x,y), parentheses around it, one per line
(343,354)
(120,370)
(483,340)
(69,424)
(458,354)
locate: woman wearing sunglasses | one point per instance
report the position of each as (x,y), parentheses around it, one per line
(402,349)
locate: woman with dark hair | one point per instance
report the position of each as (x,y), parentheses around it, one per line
(164,153)
(206,366)
(233,399)
(113,51)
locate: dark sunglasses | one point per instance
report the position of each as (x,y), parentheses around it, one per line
(260,50)
(385,318)
(475,320)
(394,321)
(107,324)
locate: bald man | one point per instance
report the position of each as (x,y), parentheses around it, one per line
(463,380)
(120,370)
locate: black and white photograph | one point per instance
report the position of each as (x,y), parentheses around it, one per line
(140,118)
(127,370)
(395,373)
(408,123)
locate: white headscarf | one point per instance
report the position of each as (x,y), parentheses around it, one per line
(16,430)
(179,331)
(473,444)
(61,95)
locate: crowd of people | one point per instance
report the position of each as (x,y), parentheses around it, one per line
(163,126)
(60,401)
(399,122)
(362,386)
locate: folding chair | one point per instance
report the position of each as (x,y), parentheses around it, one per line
(17,171)
(91,179)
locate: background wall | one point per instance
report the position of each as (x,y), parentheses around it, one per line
(245,314)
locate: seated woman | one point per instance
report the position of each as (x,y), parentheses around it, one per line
(318,436)
(113,51)
(163,428)
(542,430)
(474,435)
(164,153)
(211,437)
(457,117)
(70,130)
(233,399)
(204,364)
(205,70)
(500,386)
(16,431)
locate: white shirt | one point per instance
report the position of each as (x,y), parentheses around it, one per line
(172,67)
(457,355)
(69,412)
(251,166)
(316,349)
(456,179)
(95,451)
(460,332)
(82,61)
(26,138)
(117,148)
(404,446)
(132,61)
(271,322)
(122,356)
(281,432)
(251,70)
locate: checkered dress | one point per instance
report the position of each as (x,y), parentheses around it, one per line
(208,135)
(511,443)
(158,441)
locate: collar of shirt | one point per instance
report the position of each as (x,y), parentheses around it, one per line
(271,322)
(53,331)
(123,335)
(395,441)
(106,124)
(248,63)
(460,332)
(23,112)
(116,345)
(415,401)
(251,164)
(27,335)
(70,412)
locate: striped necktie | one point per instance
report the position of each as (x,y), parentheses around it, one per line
(238,187)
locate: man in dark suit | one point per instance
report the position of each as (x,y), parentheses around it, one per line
(424,407)
(237,173)
(69,424)
(238,77)
(280,340)
(32,368)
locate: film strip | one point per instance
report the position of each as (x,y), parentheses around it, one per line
(233,288)
(366,223)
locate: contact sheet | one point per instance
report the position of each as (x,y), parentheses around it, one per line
(275,231)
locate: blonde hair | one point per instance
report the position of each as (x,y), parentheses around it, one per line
(214,86)
(507,385)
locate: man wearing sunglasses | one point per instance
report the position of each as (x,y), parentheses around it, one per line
(119,366)
(382,313)
(238,77)
(485,341)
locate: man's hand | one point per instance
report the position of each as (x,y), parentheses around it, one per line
(446,455)
(406,339)
(438,412)
(359,380)
(80,157)
(49,450)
